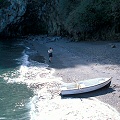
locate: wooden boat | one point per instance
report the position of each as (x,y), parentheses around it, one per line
(84,86)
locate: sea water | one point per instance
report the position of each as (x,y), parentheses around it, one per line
(30,91)
(14,97)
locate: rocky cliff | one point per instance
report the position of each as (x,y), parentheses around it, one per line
(23,17)
(11,12)
(80,19)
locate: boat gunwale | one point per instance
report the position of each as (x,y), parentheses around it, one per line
(109,79)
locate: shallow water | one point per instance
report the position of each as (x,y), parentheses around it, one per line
(14,97)
(29,91)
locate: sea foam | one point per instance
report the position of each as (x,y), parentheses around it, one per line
(47,104)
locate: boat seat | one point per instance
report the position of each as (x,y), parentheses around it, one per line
(74,86)
(81,86)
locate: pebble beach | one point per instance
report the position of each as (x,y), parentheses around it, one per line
(75,61)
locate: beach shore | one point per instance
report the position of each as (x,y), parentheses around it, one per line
(75,61)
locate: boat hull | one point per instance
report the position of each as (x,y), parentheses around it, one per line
(86,88)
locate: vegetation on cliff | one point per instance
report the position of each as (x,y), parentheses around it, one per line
(4,3)
(85,19)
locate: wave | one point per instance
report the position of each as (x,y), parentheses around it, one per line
(47,103)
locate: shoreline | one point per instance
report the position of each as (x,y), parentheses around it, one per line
(74,61)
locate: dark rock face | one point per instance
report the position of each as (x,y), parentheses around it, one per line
(23,17)
(11,12)
(41,17)
(79,19)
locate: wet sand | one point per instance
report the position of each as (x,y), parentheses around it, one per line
(74,61)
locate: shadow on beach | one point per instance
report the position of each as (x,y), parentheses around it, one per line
(68,54)
(99,92)
(85,53)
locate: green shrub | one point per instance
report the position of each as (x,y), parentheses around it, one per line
(90,16)
(4,3)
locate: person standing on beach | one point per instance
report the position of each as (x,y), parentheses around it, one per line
(50,51)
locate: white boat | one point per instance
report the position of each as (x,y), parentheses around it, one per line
(84,86)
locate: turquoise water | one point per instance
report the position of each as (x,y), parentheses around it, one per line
(14,97)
